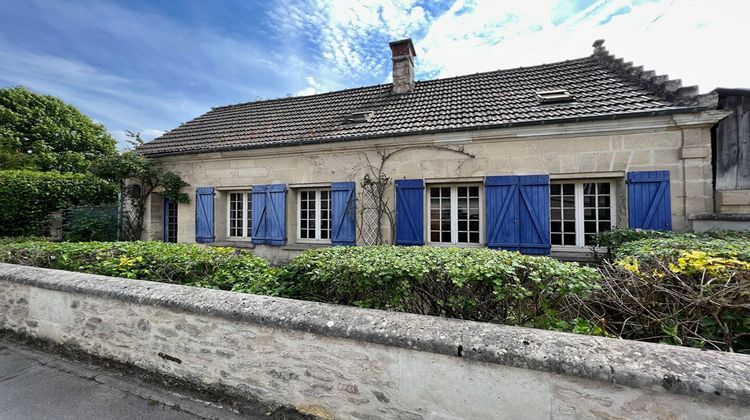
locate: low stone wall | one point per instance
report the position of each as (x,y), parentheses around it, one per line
(344,362)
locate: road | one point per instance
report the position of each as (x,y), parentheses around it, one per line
(37,385)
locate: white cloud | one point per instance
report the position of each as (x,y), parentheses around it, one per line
(686,39)
(312,88)
(351,35)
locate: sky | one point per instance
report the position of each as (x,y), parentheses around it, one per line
(148,66)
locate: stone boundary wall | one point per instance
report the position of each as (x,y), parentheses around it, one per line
(343,362)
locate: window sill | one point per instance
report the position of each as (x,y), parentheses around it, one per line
(447,245)
(301,246)
(245,243)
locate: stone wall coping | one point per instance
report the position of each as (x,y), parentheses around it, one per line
(656,367)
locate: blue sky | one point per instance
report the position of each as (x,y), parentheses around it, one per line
(148,66)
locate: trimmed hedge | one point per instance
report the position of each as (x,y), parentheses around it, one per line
(28,197)
(468,283)
(685,289)
(86,224)
(218,268)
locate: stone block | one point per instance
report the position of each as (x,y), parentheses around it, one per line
(694,152)
(733,197)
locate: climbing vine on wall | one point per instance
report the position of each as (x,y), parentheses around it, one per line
(375,193)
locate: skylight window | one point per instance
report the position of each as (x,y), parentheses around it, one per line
(554,96)
(360,116)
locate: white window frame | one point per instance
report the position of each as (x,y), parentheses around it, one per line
(454,214)
(317,192)
(245,226)
(579,219)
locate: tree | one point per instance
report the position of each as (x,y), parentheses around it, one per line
(139,177)
(44,133)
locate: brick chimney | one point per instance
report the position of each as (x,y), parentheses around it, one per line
(403,66)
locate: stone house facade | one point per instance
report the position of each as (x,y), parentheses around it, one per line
(535,159)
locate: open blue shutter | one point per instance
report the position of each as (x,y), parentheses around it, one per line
(276,214)
(259,234)
(501,212)
(649,204)
(533,224)
(343,208)
(409,212)
(204,215)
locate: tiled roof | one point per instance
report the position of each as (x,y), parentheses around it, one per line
(604,88)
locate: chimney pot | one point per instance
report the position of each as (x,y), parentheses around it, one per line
(403,66)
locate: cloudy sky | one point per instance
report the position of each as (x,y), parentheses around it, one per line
(148,66)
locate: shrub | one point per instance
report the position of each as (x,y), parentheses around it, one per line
(220,268)
(615,238)
(85,224)
(681,288)
(27,198)
(724,244)
(468,283)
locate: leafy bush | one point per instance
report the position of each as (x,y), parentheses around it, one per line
(681,288)
(717,244)
(219,268)
(469,283)
(85,224)
(615,238)
(27,198)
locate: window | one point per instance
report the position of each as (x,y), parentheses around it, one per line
(579,210)
(171,219)
(239,215)
(454,215)
(553,96)
(314,210)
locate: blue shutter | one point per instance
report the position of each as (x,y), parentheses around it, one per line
(276,214)
(204,215)
(343,216)
(649,204)
(259,234)
(269,214)
(534,234)
(409,212)
(517,213)
(501,212)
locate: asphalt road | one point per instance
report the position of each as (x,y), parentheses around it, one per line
(36,385)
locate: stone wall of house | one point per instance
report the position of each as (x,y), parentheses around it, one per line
(595,150)
(343,362)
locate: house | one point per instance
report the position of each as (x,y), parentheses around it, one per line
(536,159)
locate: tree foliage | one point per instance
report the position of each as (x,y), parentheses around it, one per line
(44,133)
(139,177)
(28,197)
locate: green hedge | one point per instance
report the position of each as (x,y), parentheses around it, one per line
(28,197)
(468,283)
(686,289)
(725,244)
(219,268)
(690,289)
(86,224)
